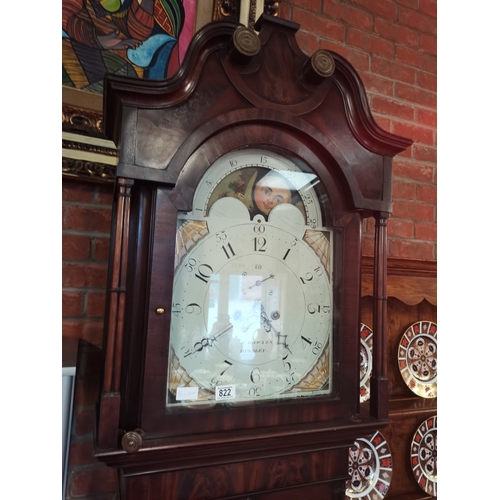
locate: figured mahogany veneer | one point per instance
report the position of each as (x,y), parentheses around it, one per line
(169,133)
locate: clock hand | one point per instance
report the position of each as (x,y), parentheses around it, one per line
(265,321)
(208,341)
(259,282)
(268,326)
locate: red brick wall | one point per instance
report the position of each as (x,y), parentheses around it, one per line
(392,45)
(86,226)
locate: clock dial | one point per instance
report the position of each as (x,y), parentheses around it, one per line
(252,294)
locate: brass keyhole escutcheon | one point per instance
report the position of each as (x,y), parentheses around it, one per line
(160,310)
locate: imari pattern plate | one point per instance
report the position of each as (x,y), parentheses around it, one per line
(417,358)
(370,468)
(424,456)
(365,362)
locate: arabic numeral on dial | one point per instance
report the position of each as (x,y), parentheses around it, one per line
(263,159)
(259,228)
(176,309)
(312,223)
(254,392)
(227,367)
(306,278)
(314,308)
(199,346)
(218,379)
(316,348)
(318,271)
(204,272)
(255,379)
(233,163)
(190,264)
(220,236)
(193,308)
(259,244)
(286,364)
(307,342)
(255,375)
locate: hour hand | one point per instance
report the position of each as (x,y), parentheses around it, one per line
(265,321)
(268,326)
(208,341)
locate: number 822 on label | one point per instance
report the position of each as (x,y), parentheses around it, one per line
(223,392)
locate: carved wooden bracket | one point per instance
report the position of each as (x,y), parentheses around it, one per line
(410,281)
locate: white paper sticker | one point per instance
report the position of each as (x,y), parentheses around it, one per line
(186,393)
(225,392)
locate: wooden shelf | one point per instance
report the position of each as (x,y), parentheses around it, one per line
(411,297)
(410,281)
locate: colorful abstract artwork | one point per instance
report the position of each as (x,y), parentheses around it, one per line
(141,38)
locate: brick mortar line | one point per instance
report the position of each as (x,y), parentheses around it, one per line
(405,159)
(320,36)
(406,122)
(400,99)
(413,181)
(413,240)
(360,8)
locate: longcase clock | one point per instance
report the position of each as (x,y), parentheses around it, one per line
(231,357)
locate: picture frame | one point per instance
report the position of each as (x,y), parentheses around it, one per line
(86,153)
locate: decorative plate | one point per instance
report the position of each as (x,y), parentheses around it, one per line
(417,358)
(424,456)
(370,468)
(365,362)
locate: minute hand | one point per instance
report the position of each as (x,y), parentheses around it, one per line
(259,282)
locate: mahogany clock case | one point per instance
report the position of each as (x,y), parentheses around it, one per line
(170,133)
